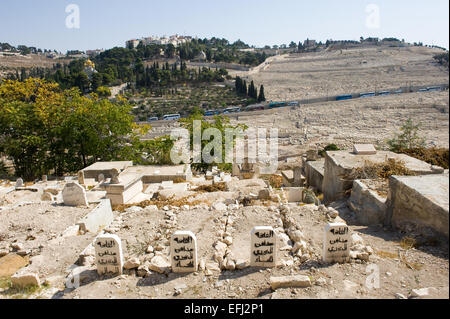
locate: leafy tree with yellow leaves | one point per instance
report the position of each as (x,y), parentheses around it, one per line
(47,130)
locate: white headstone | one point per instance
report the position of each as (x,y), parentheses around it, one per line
(108,254)
(101,178)
(44,178)
(183,252)
(337,242)
(19,182)
(74,195)
(263,248)
(364,149)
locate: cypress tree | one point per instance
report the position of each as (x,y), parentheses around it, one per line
(261,97)
(252,91)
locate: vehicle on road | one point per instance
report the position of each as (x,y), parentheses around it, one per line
(171,117)
(212,112)
(344,97)
(274,105)
(255,107)
(235,109)
(369,94)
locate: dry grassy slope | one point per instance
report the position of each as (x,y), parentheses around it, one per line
(308,75)
(369,120)
(8,63)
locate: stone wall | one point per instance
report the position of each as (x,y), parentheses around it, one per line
(314,171)
(419,204)
(369,207)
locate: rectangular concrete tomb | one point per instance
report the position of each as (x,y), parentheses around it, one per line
(108,254)
(183,252)
(336,243)
(130,186)
(105,168)
(263,248)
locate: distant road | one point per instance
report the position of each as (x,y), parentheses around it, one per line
(330,98)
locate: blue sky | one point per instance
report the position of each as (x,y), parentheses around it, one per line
(109,23)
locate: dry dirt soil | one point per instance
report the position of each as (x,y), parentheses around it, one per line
(401,268)
(335,72)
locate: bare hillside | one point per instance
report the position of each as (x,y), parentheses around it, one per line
(308,75)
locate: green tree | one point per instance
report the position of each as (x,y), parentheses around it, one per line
(221,123)
(261,96)
(408,139)
(44,129)
(103,91)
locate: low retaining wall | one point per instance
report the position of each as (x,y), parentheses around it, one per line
(314,171)
(419,204)
(369,207)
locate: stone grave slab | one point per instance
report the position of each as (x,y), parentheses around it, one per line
(183,252)
(108,254)
(74,195)
(263,247)
(336,243)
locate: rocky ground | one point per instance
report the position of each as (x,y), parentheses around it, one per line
(223,235)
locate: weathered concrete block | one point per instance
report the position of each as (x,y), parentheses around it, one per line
(100,217)
(105,168)
(297,281)
(339,164)
(294,194)
(370,208)
(419,203)
(314,171)
(364,149)
(25,279)
(130,186)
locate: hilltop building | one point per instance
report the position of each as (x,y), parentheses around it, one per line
(175,40)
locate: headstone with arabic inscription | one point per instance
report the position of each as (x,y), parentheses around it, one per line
(337,242)
(183,252)
(108,254)
(263,248)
